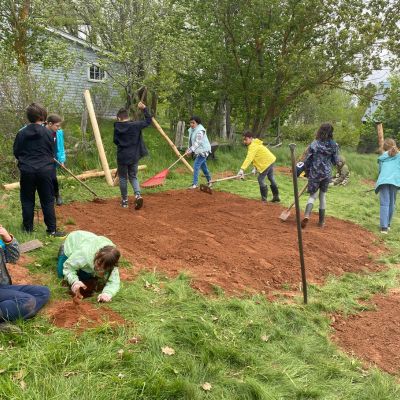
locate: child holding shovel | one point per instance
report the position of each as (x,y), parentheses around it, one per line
(89,263)
(130,149)
(263,161)
(321,154)
(54,125)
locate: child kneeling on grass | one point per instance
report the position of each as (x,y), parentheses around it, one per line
(388,182)
(321,154)
(89,263)
(16,301)
(263,161)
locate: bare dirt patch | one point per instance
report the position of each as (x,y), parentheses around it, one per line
(20,274)
(373,336)
(82,316)
(225,240)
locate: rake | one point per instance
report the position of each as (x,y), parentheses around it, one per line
(159,179)
(207,188)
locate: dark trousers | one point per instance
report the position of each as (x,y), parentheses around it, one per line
(55,183)
(267,173)
(128,172)
(21,301)
(42,181)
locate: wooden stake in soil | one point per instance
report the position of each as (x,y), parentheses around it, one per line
(97,136)
(292,147)
(379,129)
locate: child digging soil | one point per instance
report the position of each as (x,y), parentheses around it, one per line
(89,264)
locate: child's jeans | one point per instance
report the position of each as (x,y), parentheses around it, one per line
(387,196)
(200,162)
(21,301)
(128,172)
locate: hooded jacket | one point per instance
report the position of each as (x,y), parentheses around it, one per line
(198,141)
(129,139)
(80,248)
(319,159)
(389,170)
(259,155)
(34,148)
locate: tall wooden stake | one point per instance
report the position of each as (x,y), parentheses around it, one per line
(381,138)
(97,136)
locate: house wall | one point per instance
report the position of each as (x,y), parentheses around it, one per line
(73,82)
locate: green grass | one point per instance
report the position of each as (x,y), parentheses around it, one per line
(246,348)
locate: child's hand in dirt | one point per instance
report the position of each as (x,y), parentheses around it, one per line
(75,288)
(4,234)
(104,298)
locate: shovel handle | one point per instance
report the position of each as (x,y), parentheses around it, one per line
(74,176)
(303,189)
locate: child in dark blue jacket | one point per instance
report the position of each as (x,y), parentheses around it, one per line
(322,153)
(130,149)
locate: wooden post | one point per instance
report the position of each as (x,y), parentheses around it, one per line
(379,129)
(97,137)
(171,143)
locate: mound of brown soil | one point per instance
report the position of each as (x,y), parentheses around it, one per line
(82,316)
(225,240)
(373,336)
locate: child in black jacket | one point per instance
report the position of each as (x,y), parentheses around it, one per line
(130,149)
(34,149)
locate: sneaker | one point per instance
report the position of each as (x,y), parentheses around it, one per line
(59,200)
(7,327)
(57,234)
(384,231)
(138,202)
(124,203)
(275,199)
(209,184)
(192,187)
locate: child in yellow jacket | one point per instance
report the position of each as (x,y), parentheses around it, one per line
(263,161)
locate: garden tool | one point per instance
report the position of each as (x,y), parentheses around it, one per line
(159,179)
(286,213)
(96,198)
(207,188)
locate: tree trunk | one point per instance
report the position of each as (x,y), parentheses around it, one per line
(154,102)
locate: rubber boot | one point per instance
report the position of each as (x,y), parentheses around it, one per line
(264,193)
(275,194)
(321,221)
(307,214)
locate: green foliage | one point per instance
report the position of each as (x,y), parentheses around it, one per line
(247,348)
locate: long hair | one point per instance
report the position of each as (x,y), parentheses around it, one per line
(108,257)
(390,146)
(325,132)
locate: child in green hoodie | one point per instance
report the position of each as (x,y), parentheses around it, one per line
(86,259)
(263,161)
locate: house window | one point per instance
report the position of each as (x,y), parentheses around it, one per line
(96,74)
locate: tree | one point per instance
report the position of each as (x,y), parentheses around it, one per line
(267,53)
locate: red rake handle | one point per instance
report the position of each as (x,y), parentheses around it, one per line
(179,159)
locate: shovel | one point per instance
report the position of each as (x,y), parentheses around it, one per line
(207,189)
(286,213)
(96,198)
